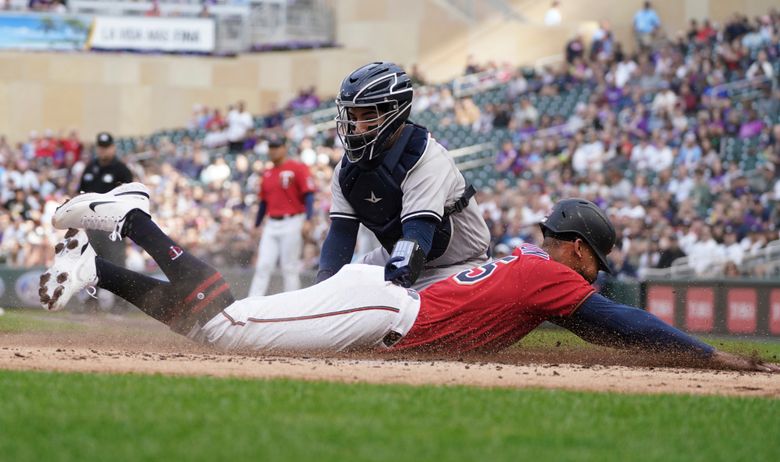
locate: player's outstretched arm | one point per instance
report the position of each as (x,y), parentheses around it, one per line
(338,248)
(602,321)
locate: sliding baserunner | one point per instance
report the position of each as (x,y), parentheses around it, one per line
(486,308)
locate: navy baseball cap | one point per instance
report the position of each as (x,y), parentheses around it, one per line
(276,140)
(104,139)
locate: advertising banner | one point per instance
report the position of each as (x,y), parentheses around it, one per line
(774,312)
(19,31)
(700,309)
(741,317)
(660,302)
(174,35)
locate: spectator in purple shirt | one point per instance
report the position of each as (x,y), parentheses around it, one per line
(752,125)
(506,158)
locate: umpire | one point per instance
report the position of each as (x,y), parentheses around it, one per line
(104,173)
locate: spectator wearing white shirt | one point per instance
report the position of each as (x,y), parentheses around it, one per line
(215,138)
(239,121)
(761,68)
(643,154)
(516,87)
(664,101)
(215,173)
(732,250)
(663,155)
(777,190)
(681,185)
(422,99)
(526,113)
(577,120)
(705,252)
(633,209)
(589,156)
(624,71)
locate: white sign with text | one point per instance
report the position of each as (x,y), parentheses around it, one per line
(182,35)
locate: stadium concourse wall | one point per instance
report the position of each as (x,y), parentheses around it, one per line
(723,307)
(133,94)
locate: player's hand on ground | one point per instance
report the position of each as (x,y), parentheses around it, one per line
(742,363)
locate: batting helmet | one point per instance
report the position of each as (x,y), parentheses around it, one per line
(585,219)
(381,86)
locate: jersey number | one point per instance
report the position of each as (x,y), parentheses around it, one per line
(474,275)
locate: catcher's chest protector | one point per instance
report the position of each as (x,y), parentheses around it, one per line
(375,194)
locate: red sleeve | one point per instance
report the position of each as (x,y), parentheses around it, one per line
(556,289)
(305,181)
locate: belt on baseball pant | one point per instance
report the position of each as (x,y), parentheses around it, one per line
(283,217)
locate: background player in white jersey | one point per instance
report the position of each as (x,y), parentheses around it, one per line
(401,184)
(287,197)
(486,308)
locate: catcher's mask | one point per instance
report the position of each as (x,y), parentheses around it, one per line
(386,90)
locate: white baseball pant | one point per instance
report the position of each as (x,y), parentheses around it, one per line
(354,309)
(281,241)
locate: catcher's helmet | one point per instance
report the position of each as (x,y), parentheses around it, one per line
(586,220)
(384,87)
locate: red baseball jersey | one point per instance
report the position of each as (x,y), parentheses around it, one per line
(491,307)
(284,186)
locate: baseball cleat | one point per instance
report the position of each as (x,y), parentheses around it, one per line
(73,269)
(104,212)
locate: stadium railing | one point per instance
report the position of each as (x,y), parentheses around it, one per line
(471,84)
(763,264)
(766,261)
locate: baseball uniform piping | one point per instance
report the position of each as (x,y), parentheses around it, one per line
(313,316)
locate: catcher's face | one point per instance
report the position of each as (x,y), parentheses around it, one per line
(365,119)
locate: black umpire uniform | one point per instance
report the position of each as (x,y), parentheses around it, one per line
(104,173)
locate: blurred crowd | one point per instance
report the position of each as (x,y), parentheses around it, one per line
(685,161)
(648,142)
(200,194)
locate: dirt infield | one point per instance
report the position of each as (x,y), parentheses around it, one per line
(142,346)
